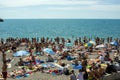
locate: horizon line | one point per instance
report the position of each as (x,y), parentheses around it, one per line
(59,18)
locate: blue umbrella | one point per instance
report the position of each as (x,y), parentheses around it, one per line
(114,43)
(77,67)
(21,53)
(49,51)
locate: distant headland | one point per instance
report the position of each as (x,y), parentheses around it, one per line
(1,20)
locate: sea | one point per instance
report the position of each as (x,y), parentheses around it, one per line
(66,28)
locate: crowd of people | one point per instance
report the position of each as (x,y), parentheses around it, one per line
(75,54)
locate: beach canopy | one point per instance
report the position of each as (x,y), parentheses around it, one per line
(21,53)
(100,46)
(49,51)
(114,43)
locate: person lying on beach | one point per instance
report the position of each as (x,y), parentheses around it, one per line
(8,60)
(15,73)
(64,55)
(30,58)
(27,58)
(12,74)
(61,63)
(75,62)
(39,68)
(30,66)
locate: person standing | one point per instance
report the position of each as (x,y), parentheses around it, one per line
(85,75)
(101,58)
(4,71)
(73,76)
(4,67)
(80,75)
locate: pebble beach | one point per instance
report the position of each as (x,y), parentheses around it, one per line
(38,75)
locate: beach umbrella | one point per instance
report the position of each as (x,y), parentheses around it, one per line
(92,42)
(100,46)
(21,53)
(89,44)
(114,43)
(49,51)
(77,67)
(69,44)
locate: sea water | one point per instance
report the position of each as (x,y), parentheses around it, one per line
(66,28)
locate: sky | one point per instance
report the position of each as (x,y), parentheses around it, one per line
(60,9)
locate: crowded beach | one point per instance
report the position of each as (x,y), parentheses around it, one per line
(58,58)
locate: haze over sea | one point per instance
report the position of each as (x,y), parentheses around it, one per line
(67,28)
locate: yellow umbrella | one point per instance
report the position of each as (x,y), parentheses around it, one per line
(90,43)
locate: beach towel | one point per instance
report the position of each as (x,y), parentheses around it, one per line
(39,61)
(9,65)
(44,65)
(19,76)
(26,75)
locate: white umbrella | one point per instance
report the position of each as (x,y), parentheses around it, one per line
(49,51)
(100,46)
(21,53)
